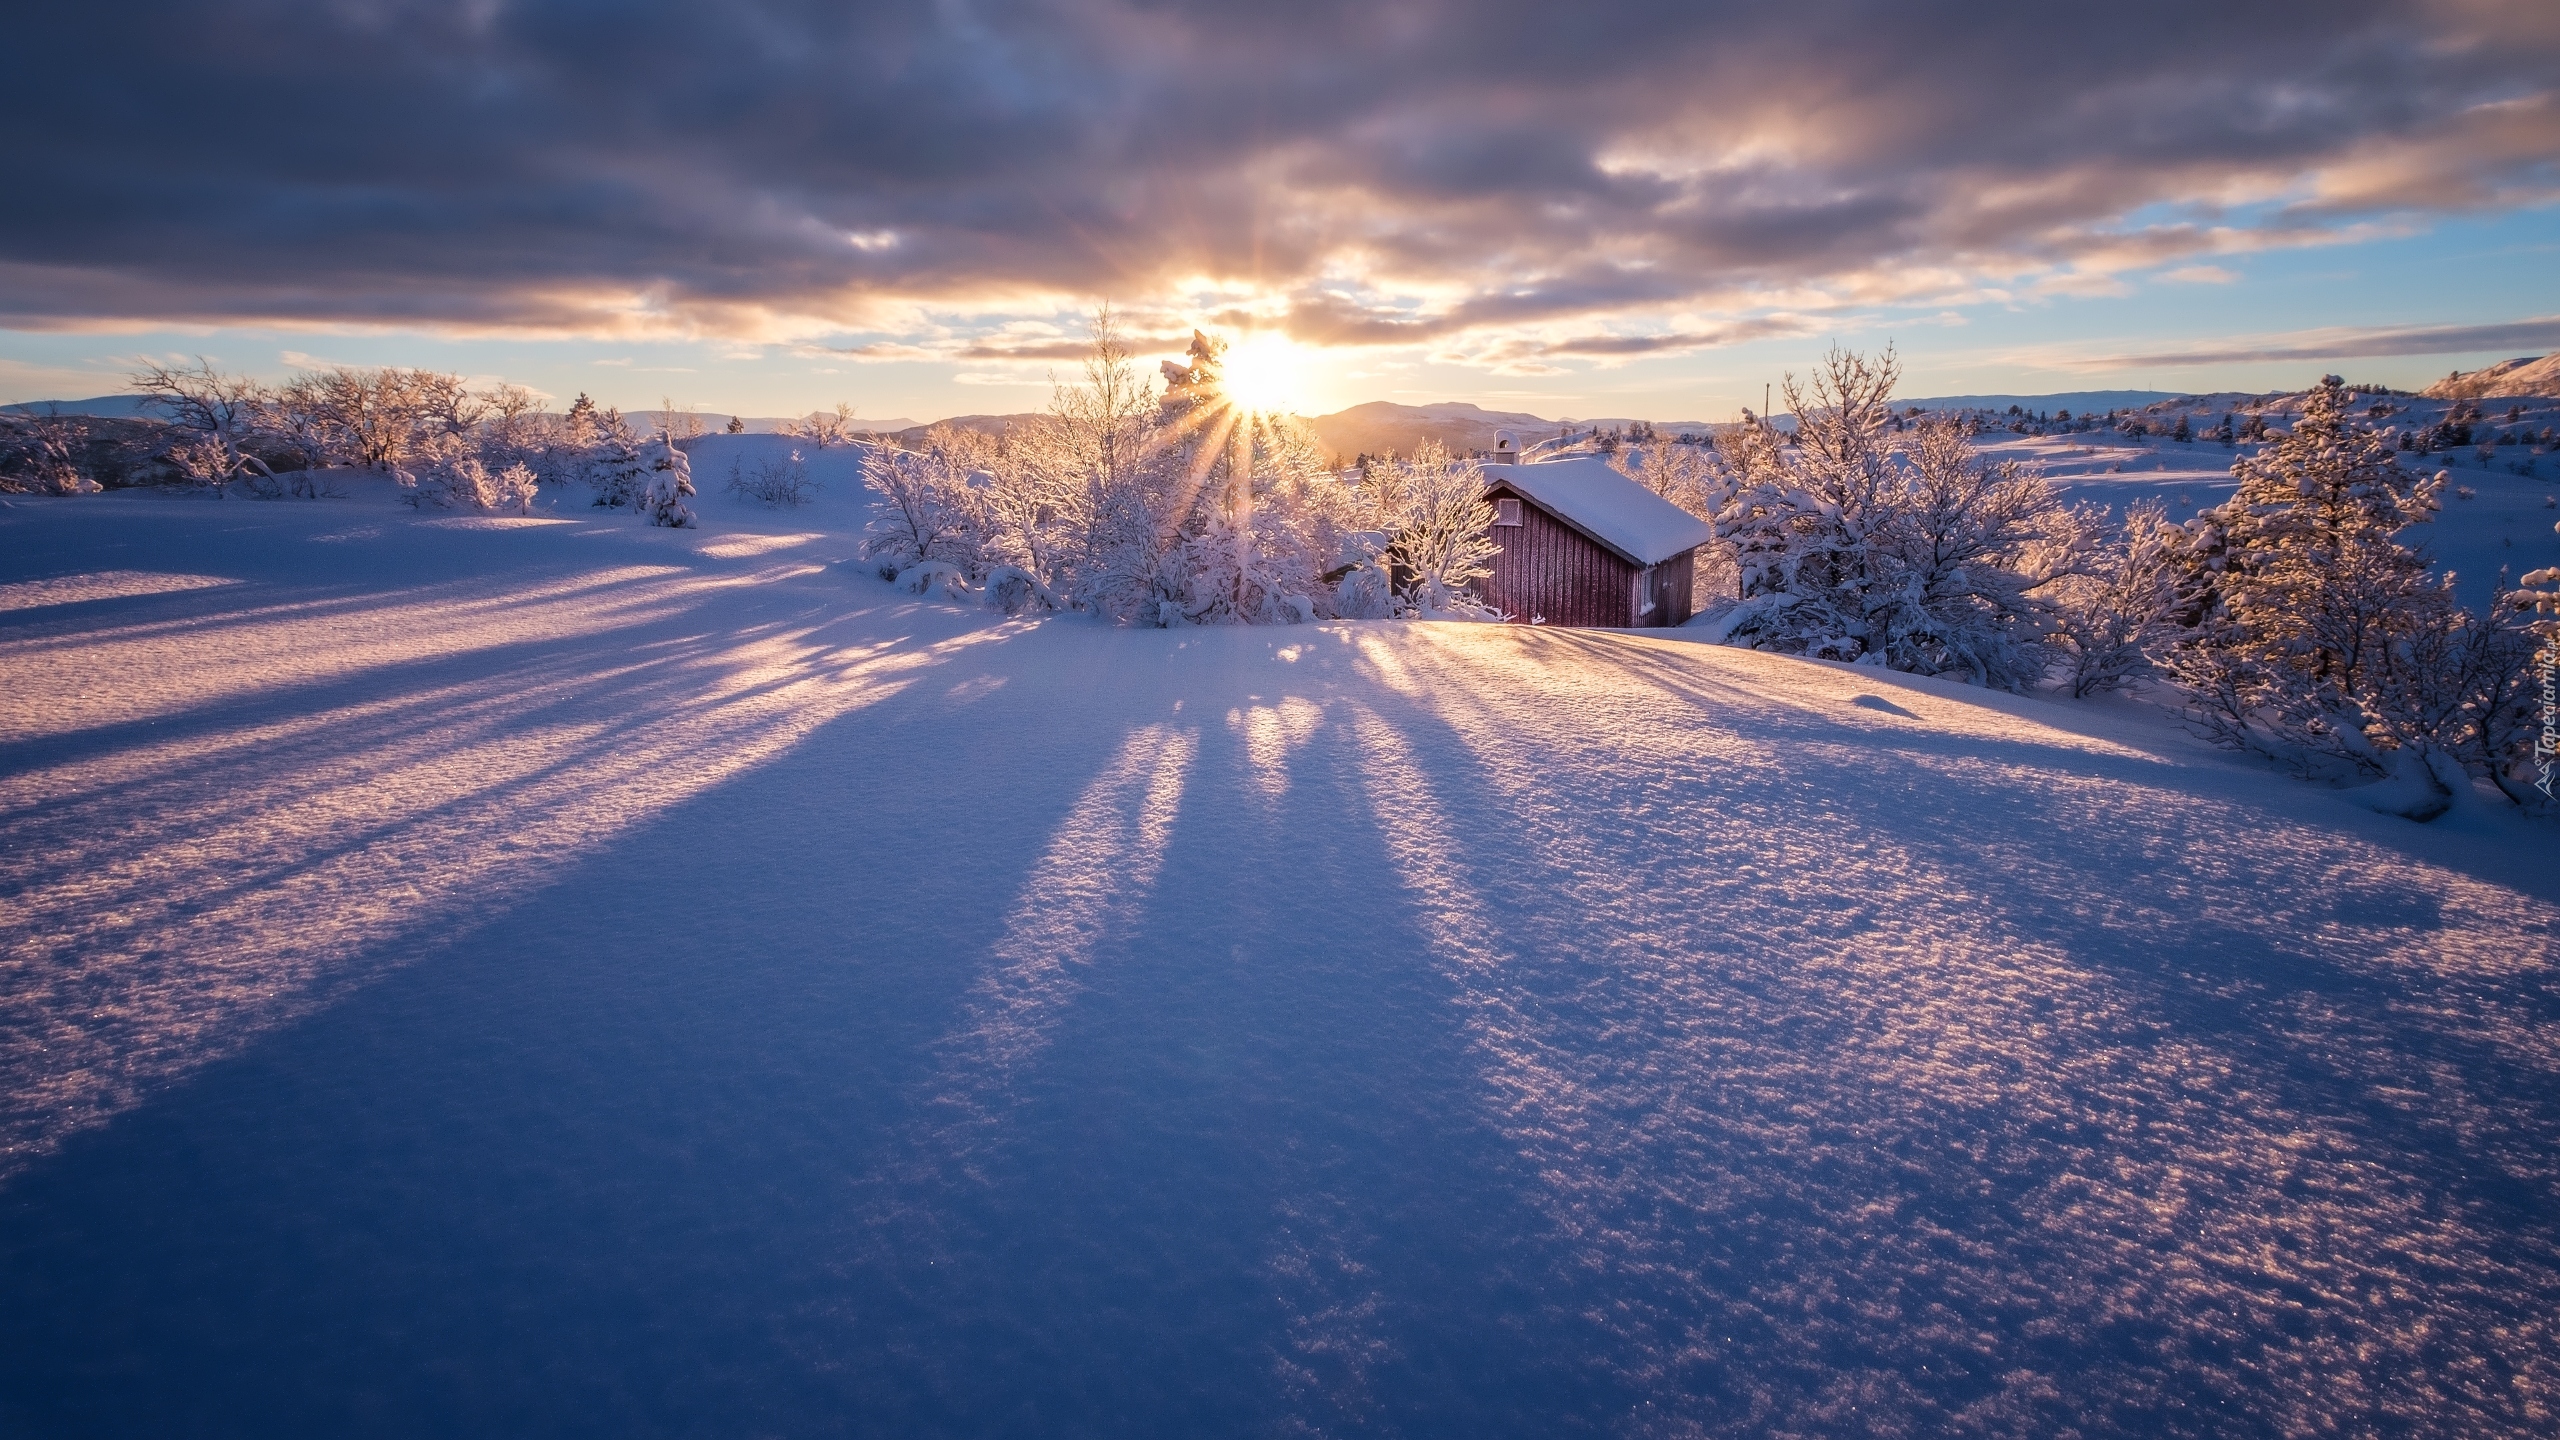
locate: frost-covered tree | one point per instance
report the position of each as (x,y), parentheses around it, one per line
(1969,549)
(2322,639)
(384,419)
(43,454)
(1237,497)
(1681,474)
(1180,509)
(822,428)
(1909,550)
(677,422)
(925,508)
(214,417)
(582,427)
(515,431)
(670,482)
(1426,539)
(2125,605)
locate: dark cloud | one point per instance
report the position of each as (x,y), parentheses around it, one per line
(1396,172)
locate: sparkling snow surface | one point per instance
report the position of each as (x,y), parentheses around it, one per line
(468,978)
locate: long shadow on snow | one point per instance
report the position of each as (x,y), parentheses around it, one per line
(611,1164)
(1828,1320)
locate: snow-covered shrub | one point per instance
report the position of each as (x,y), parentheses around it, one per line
(213,418)
(1015,590)
(924,508)
(670,480)
(772,482)
(459,480)
(823,428)
(1849,542)
(929,577)
(2112,617)
(42,454)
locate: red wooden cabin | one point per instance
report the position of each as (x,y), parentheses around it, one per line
(1585,545)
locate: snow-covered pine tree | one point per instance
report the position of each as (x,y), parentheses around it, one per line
(613,463)
(670,480)
(581,428)
(2321,639)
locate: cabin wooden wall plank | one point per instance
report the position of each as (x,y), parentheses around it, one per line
(1674,591)
(1549,570)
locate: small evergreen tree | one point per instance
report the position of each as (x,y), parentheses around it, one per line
(614,466)
(582,427)
(670,481)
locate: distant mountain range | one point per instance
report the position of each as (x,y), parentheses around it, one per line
(108,407)
(2078,402)
(1383,427)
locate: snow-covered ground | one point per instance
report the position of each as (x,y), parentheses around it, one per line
(2506,522)
(554,976)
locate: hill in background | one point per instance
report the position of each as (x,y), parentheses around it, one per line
(2532,375)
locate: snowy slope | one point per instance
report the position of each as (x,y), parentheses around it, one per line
(2505,523)
(2537,375)
(471,976)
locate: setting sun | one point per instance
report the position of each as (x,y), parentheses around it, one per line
(1267,373)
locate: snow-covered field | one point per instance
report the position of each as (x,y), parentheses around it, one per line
(553,976)
(2504,523)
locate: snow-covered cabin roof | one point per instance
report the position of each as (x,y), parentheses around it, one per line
(1642,527)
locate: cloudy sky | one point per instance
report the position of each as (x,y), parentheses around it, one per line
(1648,208)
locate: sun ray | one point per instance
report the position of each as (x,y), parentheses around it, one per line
(1266,374)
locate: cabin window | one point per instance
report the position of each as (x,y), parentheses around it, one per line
(1506,512)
